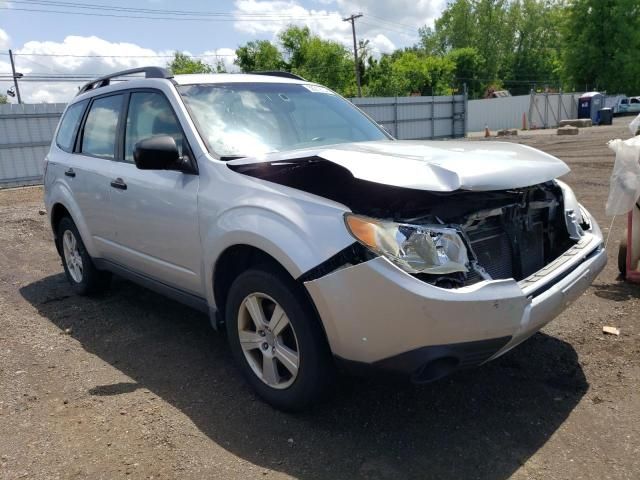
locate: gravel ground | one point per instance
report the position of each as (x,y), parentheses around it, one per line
(132,385)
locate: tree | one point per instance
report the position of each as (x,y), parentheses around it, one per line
(318,60)
(328,63)
(467,63)
(183,63)
(409,72)
(220,67)
(535,50)
(601,44)
(456,28)
(3,100)
(378,79)
(515,42)
(293,40)
(259,55)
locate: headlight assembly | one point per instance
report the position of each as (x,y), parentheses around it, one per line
(429,249)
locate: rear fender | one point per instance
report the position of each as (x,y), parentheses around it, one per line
(59,193)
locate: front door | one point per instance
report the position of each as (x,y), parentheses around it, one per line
(156,211)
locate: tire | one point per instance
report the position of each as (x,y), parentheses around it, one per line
(278,326)
(79,269)
(622,254)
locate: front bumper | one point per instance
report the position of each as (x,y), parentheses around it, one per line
(375,313)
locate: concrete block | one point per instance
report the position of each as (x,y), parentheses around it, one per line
(576,122)
(508,132)
(568,130)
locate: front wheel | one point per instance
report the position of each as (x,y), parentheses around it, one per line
(276,339)
(79,269)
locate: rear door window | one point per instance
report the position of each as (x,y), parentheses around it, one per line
(101,127)
(69,126)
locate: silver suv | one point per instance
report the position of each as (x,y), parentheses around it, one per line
(307,233)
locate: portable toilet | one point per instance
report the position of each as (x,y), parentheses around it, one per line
(589,104)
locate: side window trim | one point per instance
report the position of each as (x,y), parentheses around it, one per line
(122,127)
(80,136)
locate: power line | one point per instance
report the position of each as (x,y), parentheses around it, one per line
(71,55)
(410,27)
(174,18)
(153,11)
(390,29)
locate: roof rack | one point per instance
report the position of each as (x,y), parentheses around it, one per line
(149,72)
(278,73)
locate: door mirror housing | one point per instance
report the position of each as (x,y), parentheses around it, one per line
(159,153)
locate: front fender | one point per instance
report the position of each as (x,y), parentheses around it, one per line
(299,238)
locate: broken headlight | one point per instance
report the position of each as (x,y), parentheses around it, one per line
(414,248)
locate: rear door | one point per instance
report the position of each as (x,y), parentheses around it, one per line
(89,168)
(155,211)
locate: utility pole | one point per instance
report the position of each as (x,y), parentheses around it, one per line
(352,19)
(16,76)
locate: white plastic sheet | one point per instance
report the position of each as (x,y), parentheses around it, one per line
(634,126)
(624,187)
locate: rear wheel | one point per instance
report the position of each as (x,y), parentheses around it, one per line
(79,269)
(276,340)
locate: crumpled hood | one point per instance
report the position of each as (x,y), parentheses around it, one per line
(439,166)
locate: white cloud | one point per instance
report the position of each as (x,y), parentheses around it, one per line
(271,16)
(4,39)
(381,21)
(93,56)
(381,44)
(401,15)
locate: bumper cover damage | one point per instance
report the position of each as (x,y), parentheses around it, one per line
(376,314)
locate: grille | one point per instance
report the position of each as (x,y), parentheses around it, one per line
(494,249)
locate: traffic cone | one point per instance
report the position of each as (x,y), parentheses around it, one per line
(487,133)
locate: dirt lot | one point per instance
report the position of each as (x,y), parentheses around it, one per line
(131,384)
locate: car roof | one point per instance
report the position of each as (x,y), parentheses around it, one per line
(200,78)
(188,79)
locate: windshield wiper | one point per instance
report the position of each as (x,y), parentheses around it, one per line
(225,158)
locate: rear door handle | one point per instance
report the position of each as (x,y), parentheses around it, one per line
(70,173)
(119,184)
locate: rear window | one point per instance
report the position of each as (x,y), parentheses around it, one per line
(101,127)
(69,126)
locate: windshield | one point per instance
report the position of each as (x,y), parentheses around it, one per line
(248,119)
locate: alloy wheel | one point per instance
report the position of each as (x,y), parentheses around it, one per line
(268,340)
(72,256)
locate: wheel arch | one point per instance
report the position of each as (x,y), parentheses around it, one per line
(58,212)
(60,203)
(239,258)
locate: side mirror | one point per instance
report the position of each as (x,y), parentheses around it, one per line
(158,153)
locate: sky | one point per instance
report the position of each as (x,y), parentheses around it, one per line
(74,37)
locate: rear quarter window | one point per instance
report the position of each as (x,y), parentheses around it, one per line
(69,126)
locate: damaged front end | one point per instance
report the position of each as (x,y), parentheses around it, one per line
(462,238)
(447,239)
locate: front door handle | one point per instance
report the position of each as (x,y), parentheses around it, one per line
(119,184)
(70,173)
